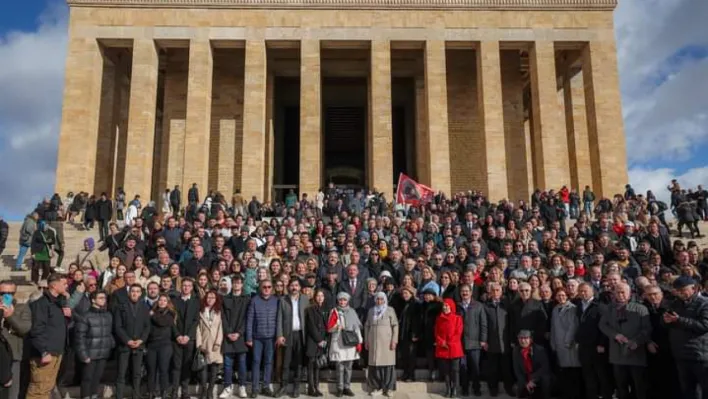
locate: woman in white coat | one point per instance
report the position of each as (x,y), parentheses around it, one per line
(344,318)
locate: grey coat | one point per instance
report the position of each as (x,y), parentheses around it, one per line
(16,327)
(474,325)
(635,324)
(285,317)
(564,326)
(29,226)
(379,334)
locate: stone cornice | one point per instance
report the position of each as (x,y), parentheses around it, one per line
(358,4)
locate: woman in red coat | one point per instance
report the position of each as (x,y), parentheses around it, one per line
(448,345)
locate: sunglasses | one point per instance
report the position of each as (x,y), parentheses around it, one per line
(267,287)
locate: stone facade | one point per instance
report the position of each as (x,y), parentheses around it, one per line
(506,95)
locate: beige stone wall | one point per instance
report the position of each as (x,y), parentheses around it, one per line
(467,157)
(174,117)
(226,138)
(515,136)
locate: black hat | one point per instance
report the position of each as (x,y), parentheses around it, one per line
(683,281)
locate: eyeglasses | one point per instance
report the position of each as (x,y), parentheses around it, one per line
(267,287)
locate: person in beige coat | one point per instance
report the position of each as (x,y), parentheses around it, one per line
(210,336)
(381,339)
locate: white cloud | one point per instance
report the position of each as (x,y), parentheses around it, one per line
(657,180)
(664,96)
(31,82)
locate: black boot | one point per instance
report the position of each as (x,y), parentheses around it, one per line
(119,391)
(453,392)
(448,389)
(203,391)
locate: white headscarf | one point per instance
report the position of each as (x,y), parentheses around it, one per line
(379,310)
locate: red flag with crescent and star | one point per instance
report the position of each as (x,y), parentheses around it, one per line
(409,191)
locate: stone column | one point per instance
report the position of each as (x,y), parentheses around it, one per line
(141,121)
(436,101)
(380,134)
(174,114)
(577,128)
(198,128)
(608,156)
(254,119)
(310,179)
(491,114)
(80,117)
(105,147)
(514,133)
(551,144)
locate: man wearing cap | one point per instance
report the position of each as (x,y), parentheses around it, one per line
(687,320)
(531,368)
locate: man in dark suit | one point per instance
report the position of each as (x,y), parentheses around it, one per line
(498,343)
(132,326)
(474,338)
(290,330)
(187,307)
(353,286)
(592,345)
(121,297)
(176,200)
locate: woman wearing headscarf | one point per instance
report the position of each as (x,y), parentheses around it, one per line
(343,318)
(448,345)
(381,339)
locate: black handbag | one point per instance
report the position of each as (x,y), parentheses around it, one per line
(349,338)
(199,361)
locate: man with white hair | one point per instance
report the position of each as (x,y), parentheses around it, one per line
(628,327)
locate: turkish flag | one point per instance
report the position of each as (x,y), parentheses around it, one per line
(333,319)
(409,191)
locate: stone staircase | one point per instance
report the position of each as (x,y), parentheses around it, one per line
(74,236)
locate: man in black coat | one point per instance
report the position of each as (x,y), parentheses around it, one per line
(662,367)
(474,338)
(687,320)
(47,337)
(132,327)
(176,200)
(104,214)
(528,314)
(234,347)
(193,195)
(187,307)
(592,345)
(498,343)
(199,261)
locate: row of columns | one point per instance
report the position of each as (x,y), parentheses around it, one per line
(594,126)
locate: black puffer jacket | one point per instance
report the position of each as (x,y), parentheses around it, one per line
(94,335)
(689,335)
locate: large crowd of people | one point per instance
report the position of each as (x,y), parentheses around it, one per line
(565,295)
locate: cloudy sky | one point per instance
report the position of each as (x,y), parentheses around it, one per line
(663,61)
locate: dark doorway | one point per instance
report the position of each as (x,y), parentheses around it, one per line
(345,126)
(403,127)
(286,146)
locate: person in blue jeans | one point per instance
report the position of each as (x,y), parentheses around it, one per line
(29,226)
(235,307)
(261,320)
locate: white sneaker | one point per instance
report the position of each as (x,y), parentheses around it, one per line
(226,393)
(242,392)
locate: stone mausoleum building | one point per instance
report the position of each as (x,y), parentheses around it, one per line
(261,95)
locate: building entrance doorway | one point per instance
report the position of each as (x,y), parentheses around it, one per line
(344,127)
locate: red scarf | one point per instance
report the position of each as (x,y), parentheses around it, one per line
(528,363)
